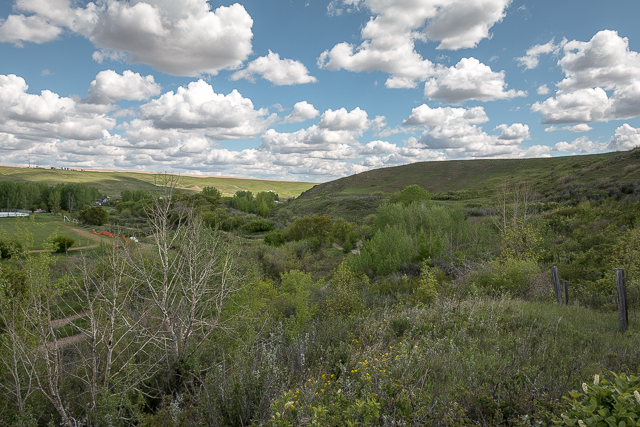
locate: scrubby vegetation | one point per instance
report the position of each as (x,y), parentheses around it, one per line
(409,307)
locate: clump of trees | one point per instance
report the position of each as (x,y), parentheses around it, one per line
(94,215)
(69,197)
(260,204)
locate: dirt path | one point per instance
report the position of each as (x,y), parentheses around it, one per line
(59,323)
(79,248)
(82,232)
(66,341)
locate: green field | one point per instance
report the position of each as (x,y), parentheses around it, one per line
(43,226)
(112,183)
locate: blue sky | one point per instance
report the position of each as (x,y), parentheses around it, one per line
(313,90)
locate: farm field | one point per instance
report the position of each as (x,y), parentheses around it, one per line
(112,183)
(42,226)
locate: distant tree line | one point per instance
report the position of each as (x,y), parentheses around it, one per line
(69,197)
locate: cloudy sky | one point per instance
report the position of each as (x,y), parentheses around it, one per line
(313,90)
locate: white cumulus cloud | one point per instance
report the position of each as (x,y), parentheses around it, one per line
(184,38)
(280,72)
(425,115)
(110,86)
(582,127)
(517,132)
(46,116)
(341,119)
(625,138)
(390,35)
(582,145)
(604,63)
(531,61)
(543,90)
(198,107)
(378,147)
(302,111)
(469,79)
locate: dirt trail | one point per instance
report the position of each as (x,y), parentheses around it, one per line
(73,339)
(82,232)
(58,323)
(79,248)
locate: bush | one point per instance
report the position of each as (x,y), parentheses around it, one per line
(512,275)
(63,243)
(308,227)
(426,292)
(258,225)
(604,403)
(386,252)
(345,234)
(411,194)
(9,247)
(94,215)
(274,238)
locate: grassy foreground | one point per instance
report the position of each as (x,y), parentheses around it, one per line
(111,183)
(468,362)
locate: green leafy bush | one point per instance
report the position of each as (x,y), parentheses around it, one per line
(307,227)
(94,215)
(258,225)
(9,247)
(411,194)
(63,243)
(512,275)
(426,292)
(604,403)
(386,252)
(274,238)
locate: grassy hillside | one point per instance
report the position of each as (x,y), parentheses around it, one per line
(111,183)
(482,175)
(472,181)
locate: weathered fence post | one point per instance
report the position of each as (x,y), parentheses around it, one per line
(556,284)
(621,287)
(565,285)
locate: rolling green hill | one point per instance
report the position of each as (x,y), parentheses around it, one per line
(481,175)
(112,183)
(473,181)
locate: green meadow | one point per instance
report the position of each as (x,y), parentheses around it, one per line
(43,226)
(112,183)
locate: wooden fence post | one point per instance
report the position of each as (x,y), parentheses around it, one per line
(556,284)
(565,284)
(621,287)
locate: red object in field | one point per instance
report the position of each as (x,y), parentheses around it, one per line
(104,233)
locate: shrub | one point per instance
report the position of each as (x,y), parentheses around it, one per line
(386,252)
(63,243)
(343,297)
(426,292)
(274,238)
(94,215)
(604,403)
(315,226)
(258,225)
(10,247)
(512,275)
(345,233)
(411,194)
